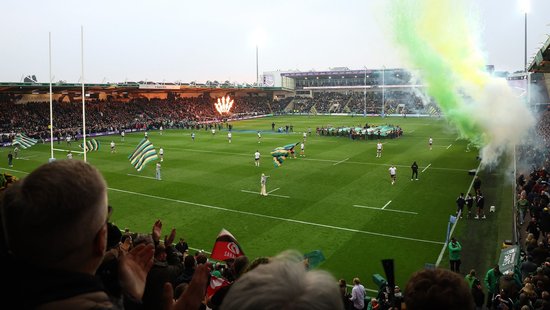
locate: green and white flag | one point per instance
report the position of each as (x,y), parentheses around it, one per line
(23,141)
(91,145)
(143,154)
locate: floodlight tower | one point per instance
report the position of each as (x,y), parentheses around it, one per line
(258,38)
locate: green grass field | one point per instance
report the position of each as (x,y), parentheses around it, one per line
(338,199)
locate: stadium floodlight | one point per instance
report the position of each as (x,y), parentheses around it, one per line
(258,38)
(525,7)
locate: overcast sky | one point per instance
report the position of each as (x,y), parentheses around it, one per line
(213,40)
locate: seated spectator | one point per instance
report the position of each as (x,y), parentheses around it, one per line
(284,283)
(438,289)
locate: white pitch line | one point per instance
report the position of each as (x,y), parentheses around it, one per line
(384,207)
(427,167)
(340,161)
(411,131)
(271,191)
(141,176)
(399,211)
(315,159)
(27,157)
(16,170)
(277,218)
(457,138)
(440,257)
(449,146)
(257,193)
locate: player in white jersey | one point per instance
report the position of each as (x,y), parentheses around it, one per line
(113,147)
(257,159)
(393,172)
(160,129)
(259,137)
(430,142)
(305,136)
(122,134)
(229,136)
(379,149)
(302,151)
(69,155)
(193,136)
(161,154)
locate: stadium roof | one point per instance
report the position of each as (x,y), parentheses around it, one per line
(541,62)
(44,88)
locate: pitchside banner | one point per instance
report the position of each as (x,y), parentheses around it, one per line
(226,247)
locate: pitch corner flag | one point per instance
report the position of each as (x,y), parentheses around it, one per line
(226,247)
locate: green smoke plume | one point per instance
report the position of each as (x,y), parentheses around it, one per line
(439,38)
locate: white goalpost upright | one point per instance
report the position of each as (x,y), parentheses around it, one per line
(52,149)
(83,94)
(51,97)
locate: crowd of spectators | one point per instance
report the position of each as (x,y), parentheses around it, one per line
(33,119)
(395,102)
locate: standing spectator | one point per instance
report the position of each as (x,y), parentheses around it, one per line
(477,294)
(460,202)
(480,202)
(10,159)
(263,181)
(477,184)
(344,294)
(182,246)
(522,206)
(471,277)
(414,168)
(492,279)
(469,201)
(454,254)
(358,294)
(533,228)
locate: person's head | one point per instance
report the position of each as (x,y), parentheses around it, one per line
(356,281)
(284,283)
(65,203)
(431,289)
(472,273)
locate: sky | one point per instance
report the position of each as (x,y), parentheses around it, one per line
(170,40)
